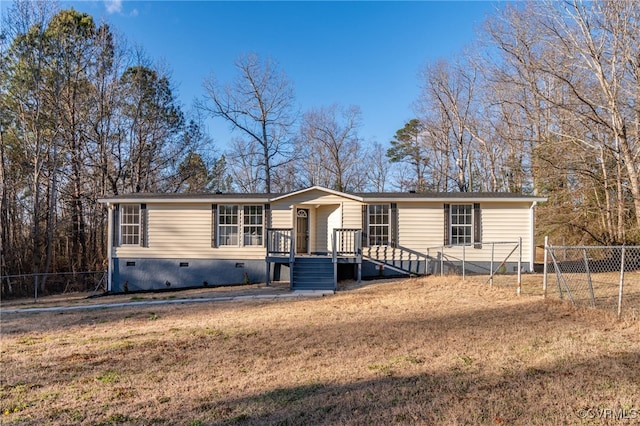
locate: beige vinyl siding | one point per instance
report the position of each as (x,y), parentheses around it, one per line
(322,215)
(282,214)
(501,223)
(352,214)
(507,222)
(178,231)
(327,218)
(313,225)
(334,220)
(420,226)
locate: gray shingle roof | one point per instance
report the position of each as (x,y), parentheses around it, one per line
(440,195)
(365,196)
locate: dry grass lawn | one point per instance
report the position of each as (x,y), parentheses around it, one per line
(421,351)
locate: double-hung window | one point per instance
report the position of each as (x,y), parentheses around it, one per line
(130,224)
(252,219)
(228,225)
(461,224)
(240,225)
(378,216)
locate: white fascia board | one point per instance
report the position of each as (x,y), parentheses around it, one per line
(452,200)
(180,200)
(319,188)
(364,199)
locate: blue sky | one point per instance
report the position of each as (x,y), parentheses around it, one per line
(367,54)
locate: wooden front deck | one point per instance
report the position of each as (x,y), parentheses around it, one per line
(346,248)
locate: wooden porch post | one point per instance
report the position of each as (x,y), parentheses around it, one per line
(268,273)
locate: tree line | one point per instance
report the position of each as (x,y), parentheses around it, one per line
(545,103)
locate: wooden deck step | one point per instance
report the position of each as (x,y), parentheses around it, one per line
(313,273)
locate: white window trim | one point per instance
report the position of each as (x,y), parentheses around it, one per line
(470,226)
(243,225)
(388,225)
(122,224)
(240,225)
(220,225)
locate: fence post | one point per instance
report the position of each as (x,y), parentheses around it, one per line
(621,283)
(442,262)
(586,268)
(519,265)
(559,276)
(544,271)
(36,283)
(493,249)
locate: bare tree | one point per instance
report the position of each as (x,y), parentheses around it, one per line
(601,38)
(258,104)
(446,105)
(402,177)
(377,171)
(243,158)
(288,178)
(331,145)
(574,69)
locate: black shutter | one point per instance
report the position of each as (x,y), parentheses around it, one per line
(477,226)
(143,225)
(267,223)
(365,228)
(116,226)
(393,218)
(447,227)
(214,225)
(267,215)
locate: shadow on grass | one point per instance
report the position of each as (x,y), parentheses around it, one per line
(553,394)
(468,391)
(533,311)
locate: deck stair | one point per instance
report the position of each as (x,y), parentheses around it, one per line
(313,273)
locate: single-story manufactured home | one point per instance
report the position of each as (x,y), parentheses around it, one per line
(312,237)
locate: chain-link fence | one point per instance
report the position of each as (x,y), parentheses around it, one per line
(485,258)
(603,277)
(36,285)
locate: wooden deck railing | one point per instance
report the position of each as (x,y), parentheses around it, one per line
(347,242)
(280,242)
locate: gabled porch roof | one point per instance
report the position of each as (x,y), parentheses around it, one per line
(321,189)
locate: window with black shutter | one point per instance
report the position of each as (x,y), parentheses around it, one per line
(462,225)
